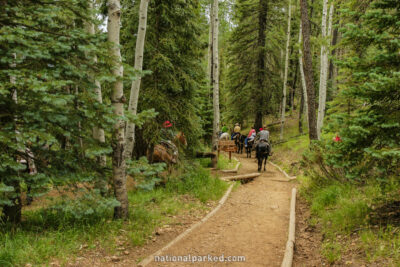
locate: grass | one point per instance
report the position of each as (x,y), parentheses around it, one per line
(223,163)
(47,234)
(344,211)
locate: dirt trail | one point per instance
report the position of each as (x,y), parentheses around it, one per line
(252,223)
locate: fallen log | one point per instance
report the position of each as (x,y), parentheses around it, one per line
(205,155)
(242,177)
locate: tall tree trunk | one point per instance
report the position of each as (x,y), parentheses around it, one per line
(332,67)
(210,54)
(117,100)
(98,133)
(301,114)
(12,213)
(324,67)
(261,68)
(308,70)
(215,78)
(293,88)
(210,46)
(303,80)
(135,87)
(286,70)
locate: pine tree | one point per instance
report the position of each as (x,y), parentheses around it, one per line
(174,75)
(367,116)
(308,70)
(51,54)
(253,60)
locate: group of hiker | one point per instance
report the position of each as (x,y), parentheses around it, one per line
(253,136)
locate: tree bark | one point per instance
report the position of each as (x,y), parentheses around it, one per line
(12,213)
(303,80)
(215,78)
(308,70)
(98,132)
(286,71)
(135,88)
(210,55)
(210,46)
(118,100)
(261,68)
(293,88)
(301,114)
(324,66)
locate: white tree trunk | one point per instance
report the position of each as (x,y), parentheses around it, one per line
(98,133)
(210,54)
(303,80)
(286,69)
(210,46)
(117,100)
(215,78)
(135,88)
(324,69)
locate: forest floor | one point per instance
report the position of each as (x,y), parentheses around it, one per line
(252,223)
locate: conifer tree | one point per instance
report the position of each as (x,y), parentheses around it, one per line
(172,66)
(51,52)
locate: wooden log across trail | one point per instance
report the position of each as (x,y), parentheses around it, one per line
(211,155)
(243,177)
(205,155)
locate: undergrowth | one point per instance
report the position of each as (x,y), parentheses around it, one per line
(355,217)
(359,219)
(48,233)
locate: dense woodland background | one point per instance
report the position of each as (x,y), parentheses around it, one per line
(64,108)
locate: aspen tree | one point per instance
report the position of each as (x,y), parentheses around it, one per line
(117,100)
(303,80)
(215,78)
(324,66)
(135,88)
(286,70)
(98,132)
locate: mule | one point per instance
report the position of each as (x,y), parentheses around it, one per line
(224,136)
(249,148)
(262,153)
(239,142)
(167,151)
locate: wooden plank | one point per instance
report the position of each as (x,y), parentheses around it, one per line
(205,155)
(288,258)
(241,177)
(229,149)
(222,143)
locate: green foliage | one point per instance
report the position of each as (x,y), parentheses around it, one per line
(145,174)
(245,95)
(199,183)
(366,114)
(47,96)
(344,209)
(60,230)
(173,51)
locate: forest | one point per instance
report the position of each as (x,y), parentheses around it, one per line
(113,112)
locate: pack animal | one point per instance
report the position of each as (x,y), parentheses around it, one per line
(239,142)
(224,136)
(249,148)
(163,152)
(262,153)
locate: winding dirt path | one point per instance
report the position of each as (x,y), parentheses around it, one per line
(252,223)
